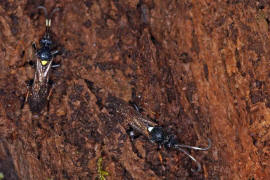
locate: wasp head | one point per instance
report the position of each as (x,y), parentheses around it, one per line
(46,42)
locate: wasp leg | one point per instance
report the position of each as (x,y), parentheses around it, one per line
(28,84)
(31,63)
(27,95)
(50,93)
(34,47)
(132,134)
(55,53)
(135,106)
(56,65)
(25,99)
(51,83)
(160,157)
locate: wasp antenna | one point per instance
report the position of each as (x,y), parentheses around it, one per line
(44,9)
(194,147)
(48,16)
(192,158)
(55,10)
(48,20)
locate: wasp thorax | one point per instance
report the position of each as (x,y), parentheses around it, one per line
(44,54)
(157,135)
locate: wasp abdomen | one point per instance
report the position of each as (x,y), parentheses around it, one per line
(38,99)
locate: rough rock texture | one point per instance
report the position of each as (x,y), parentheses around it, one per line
(200,68)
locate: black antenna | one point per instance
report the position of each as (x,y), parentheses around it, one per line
(180,146)
(48,17)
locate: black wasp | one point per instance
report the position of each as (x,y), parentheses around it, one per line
(132,117)
(39,93)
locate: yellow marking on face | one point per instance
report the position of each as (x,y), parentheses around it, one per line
(44,62)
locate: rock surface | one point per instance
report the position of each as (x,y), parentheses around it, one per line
(200,68)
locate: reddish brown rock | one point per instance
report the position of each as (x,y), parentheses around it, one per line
(201,68)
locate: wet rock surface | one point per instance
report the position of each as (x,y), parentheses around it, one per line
(200,69)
